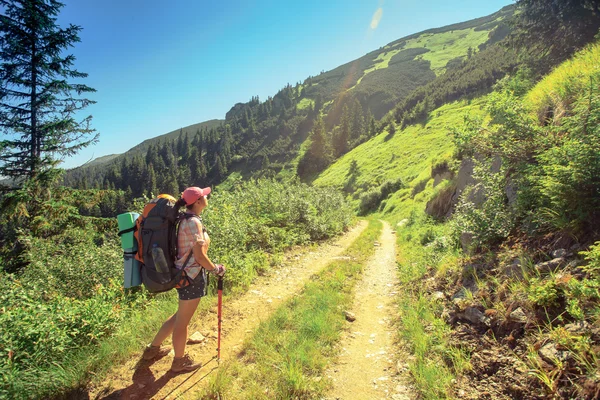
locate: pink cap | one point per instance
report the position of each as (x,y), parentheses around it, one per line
(192,194)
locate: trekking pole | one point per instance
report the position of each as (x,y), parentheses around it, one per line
(219,315)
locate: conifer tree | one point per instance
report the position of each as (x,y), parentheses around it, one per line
(220,169)
(319,154)
(340,145)
(37,102)
(150,181)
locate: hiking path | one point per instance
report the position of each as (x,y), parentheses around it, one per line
(371,364)
(137,380)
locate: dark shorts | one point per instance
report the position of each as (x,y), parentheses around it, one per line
(195,290)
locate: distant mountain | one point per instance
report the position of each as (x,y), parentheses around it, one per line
(385,76)
(173,135)
(267,138)
(143,147)
(102,160)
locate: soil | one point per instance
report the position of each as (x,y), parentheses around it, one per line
(142,380)
(371,365)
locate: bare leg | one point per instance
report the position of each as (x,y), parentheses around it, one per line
(184,314)
(165,330)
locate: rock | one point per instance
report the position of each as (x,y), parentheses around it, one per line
(511,191)
(461,294)
(514,270)
(464,177)
(403,222)
(438,295)
(196,337)
(466,239)
(551,355)
(579,327)
(350,317)
(575,247)
(551,265)
(474,316)
(376,244)
(519,316)
(559,253)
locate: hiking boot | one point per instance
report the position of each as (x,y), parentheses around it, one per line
(184,364)
(152,352)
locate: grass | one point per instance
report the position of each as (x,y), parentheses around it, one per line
(287,355)
(92,363)
(305,103)
(567,82)
(382,61)
(435,361)
(447,46)
(409,155)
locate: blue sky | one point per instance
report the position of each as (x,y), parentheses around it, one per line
(158,66)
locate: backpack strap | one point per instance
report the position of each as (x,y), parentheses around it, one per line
(187,259)
(124,231)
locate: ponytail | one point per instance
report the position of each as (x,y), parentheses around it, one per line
(180,203)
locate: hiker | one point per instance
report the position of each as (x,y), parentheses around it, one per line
(192,236)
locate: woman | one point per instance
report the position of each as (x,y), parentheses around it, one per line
(191,237)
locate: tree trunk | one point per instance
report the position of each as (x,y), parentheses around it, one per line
(35,140)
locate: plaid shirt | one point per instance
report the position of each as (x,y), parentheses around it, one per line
(186,238)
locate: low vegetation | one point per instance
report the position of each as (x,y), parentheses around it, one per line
(286,356)
(67,300)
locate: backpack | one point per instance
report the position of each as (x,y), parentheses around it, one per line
(156,235)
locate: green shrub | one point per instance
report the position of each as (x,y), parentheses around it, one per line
(490,221)
(69,296)
(370,200)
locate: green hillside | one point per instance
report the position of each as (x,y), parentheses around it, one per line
(509,261)
(383,77)
(190,130)
(270,133)
(408,155)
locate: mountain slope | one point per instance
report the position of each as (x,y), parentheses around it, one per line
(427,54)
(265,138)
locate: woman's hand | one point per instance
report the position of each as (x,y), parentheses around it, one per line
(219,270)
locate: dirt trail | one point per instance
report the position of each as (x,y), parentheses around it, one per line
(140,380)
(367,367)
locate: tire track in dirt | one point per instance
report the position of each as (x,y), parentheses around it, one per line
(138,380)
(367,365)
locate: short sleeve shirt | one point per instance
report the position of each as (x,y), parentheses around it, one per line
(186,238)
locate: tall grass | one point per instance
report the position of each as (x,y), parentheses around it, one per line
(559,89)
(286,356)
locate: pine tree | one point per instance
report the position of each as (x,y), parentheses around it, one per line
(319,154)
(264,165)
(340,145)
(37,103)
(556,28)
(149,185)
(220,169)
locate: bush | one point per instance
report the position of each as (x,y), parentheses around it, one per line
(69,295)
(489,222)
(370,200)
